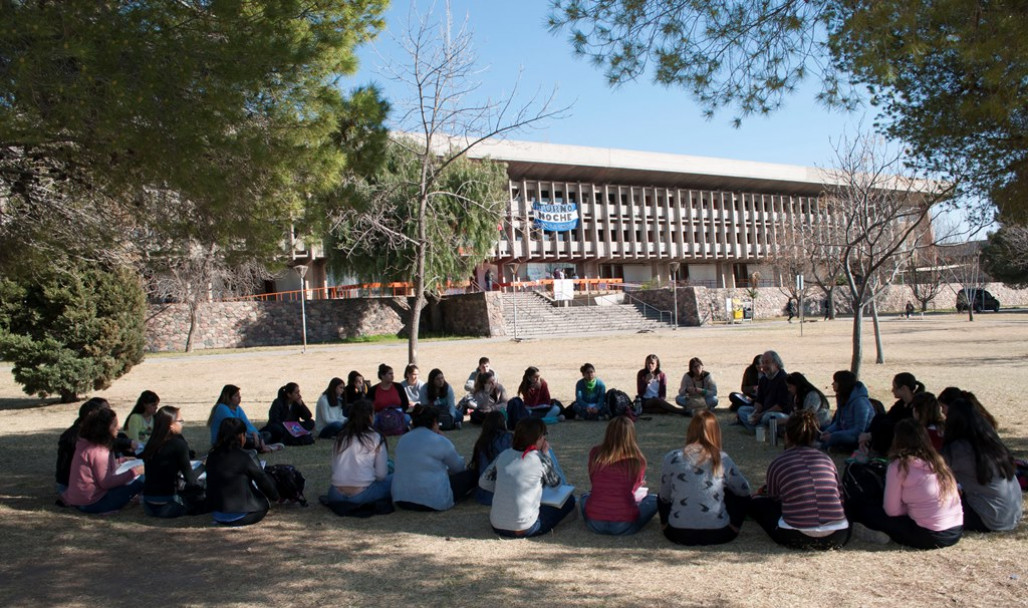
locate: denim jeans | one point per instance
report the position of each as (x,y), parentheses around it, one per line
(331,430)
(115,498)
(647,509)
(548,519)
(377,490)
(747,410)
(169,507)
(683,400)
(582,410)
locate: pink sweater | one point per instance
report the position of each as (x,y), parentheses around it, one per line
(916,494)
(92,474)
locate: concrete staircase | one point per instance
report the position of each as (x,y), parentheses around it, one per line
(538,316)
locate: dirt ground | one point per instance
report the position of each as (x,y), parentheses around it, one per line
(309,557)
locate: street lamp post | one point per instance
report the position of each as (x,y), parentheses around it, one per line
(301,270)
(674,289)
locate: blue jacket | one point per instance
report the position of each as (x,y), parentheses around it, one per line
(595,397)
(221,412)
(852,418)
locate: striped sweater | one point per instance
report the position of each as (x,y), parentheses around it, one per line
(807,483)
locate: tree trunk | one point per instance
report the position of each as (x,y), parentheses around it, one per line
(419,278)
(858,346)
(68,396)
(880,353)
(192,326)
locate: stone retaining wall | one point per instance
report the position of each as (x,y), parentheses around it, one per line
(241,324)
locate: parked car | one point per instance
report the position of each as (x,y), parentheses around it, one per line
(980,299)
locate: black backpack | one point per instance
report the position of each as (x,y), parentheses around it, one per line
(288,481)
(863,483)
(446,420)
(620,404)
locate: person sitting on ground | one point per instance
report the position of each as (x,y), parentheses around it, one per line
(533,400)
(773,399)
(984,470)
(952,393)
(227,406)
(853,413)
(494,439)
(167,464)
(238,490)
(651,387)
(94,484)
(590,396)
(388,395)
(330,419)
(879,435)
(356,390)
(703,495)
(801,506)
(483,367)
(139,422)
(928,412)
(698,390)
(617,503)
(808,397)
(438,393)
(921,508)
(288,407)
(750,384)
(429,474)
(69,439)
(517,478)
(360,461)
(488,396)
(412,384)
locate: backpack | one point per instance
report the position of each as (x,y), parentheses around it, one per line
(288,481)
(863,483)
(446,420)
(391,422)
(620,404)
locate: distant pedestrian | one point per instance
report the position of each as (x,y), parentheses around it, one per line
(826,308)
(489,279)
(790,309)
(910,308)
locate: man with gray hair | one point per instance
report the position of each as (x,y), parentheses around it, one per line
(773,398)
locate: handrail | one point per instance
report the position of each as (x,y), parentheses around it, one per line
(660,313)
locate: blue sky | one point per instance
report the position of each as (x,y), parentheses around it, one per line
(511,37)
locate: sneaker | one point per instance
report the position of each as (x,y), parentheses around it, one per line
(868,535)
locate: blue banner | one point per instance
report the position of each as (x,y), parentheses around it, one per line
(556,217)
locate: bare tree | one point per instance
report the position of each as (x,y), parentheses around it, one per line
(444,119)
(879,218)
(926,275)
(963,264)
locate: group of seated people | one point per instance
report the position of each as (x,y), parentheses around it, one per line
(947,469)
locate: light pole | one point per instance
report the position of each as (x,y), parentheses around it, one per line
(301,270)
(674,289)
(514,291)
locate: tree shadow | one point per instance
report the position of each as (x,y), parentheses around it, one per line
(26,403)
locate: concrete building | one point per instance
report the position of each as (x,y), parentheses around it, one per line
(610,213)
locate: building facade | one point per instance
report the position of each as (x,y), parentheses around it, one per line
(642,216)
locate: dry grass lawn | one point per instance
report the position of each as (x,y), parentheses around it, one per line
(310,557)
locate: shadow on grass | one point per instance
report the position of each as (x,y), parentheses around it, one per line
(25,403)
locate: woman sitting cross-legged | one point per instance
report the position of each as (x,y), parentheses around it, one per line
(617,471)
(166,459)
(590,396)
(852,416)
(495,438)
(289,407)
(429,474)
(808,397)
(703,496)
(487,396)
(698,390)
(360,461)
(517,478)
(228,406)
(94,485)
(438,393)
(984,470)
(802,504)
(238,489)
(329,417)
(921,508)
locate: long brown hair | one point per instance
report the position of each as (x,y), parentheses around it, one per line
(705,433)
(619,444)
(910,441)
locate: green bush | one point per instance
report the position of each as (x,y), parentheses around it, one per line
(72,329)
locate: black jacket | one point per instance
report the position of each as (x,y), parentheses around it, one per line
(229,490)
